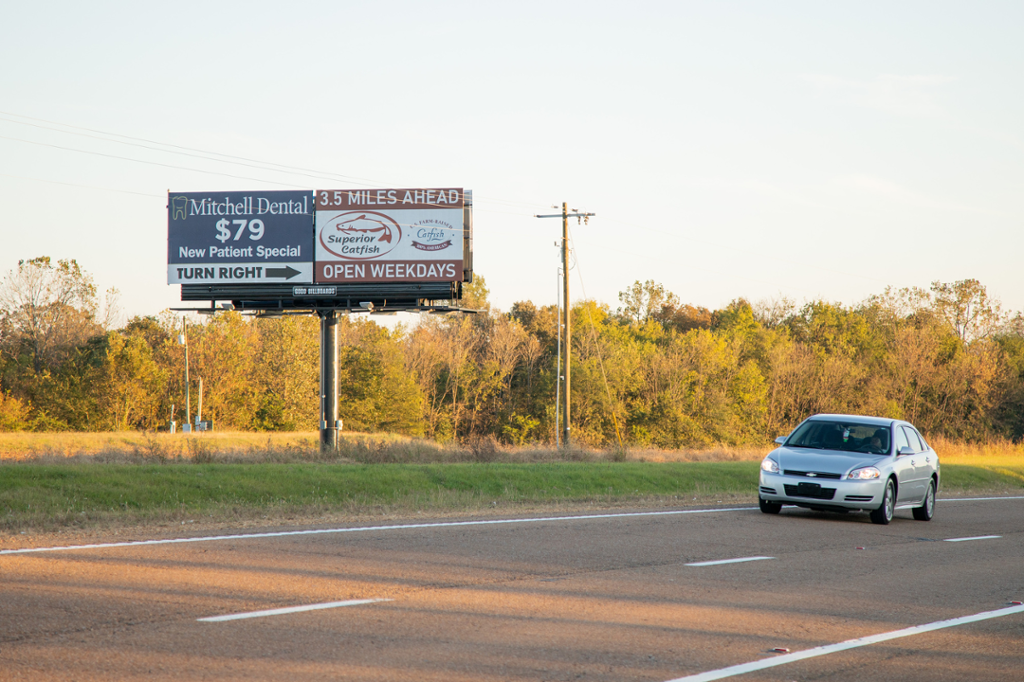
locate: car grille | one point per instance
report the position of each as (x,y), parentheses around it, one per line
(769,491)
(811,474)
(811,490)
(859,498)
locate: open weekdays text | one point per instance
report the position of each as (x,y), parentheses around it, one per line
(436,271)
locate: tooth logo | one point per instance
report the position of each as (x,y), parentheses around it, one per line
(178,206)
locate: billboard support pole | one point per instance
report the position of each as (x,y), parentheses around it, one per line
(328,380)
(564,350)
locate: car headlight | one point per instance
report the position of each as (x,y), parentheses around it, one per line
(770,465)
(864,473)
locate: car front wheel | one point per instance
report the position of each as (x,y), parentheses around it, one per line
(927,508)
(769,507)
(883,514)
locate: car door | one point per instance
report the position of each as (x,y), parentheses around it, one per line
(919,468)
(926,462)
(904,468)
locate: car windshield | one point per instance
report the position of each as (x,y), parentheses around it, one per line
(842,436)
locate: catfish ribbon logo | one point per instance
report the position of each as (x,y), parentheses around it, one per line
(178,206)
(432,247)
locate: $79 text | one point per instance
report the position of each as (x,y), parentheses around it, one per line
(256,229)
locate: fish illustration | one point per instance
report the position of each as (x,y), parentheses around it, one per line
(378,226)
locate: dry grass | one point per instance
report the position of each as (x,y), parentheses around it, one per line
(717,453)
(993,453)
(135,446)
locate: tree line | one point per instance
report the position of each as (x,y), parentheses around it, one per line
(653,372)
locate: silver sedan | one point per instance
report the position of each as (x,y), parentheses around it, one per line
(841,462)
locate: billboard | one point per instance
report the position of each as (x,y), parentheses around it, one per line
(257,237)
(392,235)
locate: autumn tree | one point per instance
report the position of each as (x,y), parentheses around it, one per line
(14,413)
(641,301)
(376,392)
(47,310)
(967,309)
(131,384)
(682,317)
(223,353)
(287,372)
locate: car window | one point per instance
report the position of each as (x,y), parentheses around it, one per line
(912,438)
(924,443)
(901,440)
(841,435)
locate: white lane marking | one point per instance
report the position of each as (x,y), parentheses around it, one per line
(251,536)
(730,561)
(843,646)
(976,499)
(289,609)
(976,537)
(364,529)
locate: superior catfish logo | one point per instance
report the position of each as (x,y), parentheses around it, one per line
(361,235)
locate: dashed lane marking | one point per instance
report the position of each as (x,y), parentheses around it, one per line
(730,561)
(289,609)
(976,537)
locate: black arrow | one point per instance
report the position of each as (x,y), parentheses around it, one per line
(287,272)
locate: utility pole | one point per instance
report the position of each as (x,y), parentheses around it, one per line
(567,338)
(558,374)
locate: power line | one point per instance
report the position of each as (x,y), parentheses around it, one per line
(273,182)
(208,155)
(106,136)
(150,163)
(75,184)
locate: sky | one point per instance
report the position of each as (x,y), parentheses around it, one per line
(804,150)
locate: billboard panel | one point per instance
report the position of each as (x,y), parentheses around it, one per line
(239,237)
(390,235)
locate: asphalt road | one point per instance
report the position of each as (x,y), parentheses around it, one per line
(612,597)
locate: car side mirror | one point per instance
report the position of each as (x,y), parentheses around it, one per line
(905,450)
(780,440)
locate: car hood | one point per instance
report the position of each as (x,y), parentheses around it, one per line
(822,461)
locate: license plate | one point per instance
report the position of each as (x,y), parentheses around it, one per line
(808,489)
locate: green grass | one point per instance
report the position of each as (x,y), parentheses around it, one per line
(33,495)
(965,479)
(47,497)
